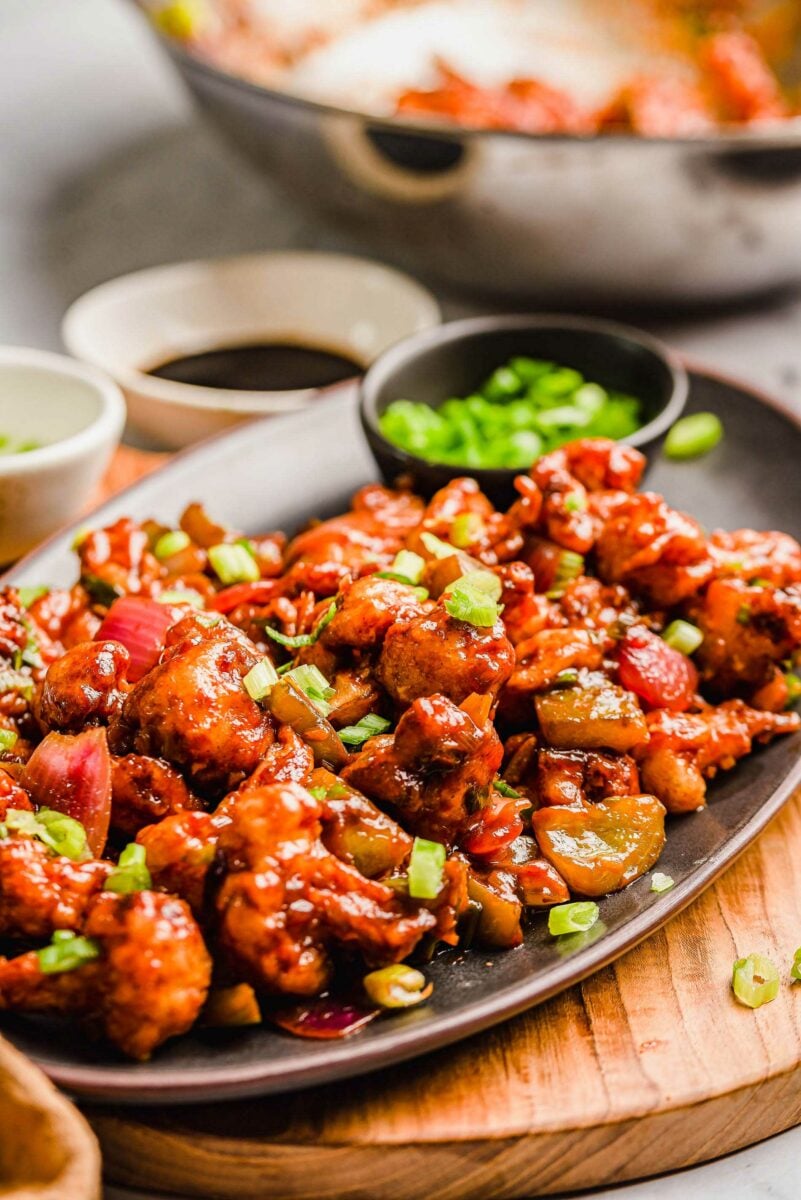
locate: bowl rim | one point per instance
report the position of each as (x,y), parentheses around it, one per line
(106,426)
(453,331)
(195,396)
(784,133)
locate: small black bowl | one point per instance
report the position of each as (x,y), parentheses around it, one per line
(455,359)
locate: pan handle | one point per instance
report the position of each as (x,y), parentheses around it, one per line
(399,164)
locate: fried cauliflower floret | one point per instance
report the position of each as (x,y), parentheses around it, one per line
(86,686)
(41,891)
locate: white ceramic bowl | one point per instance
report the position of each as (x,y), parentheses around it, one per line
(130,325)
(76,414)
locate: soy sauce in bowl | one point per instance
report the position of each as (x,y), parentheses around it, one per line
(261,367)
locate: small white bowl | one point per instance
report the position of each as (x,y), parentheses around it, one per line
(76,414)
(133,324)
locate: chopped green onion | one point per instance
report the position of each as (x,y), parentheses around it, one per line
(60,833)
(260,679)
(795,969)
(369,726)
(793,687)
(302,639)
(131,874)
(683,636)
(693,436)
(29,595)
(171,543)
(397,986)
(505,789)
(474,598)
(246,544)
(66,952)
(466,528)
(314,684)
(181,596)
(319,793)
(233,564)
(567,678)
(569,566)
(743,615)
(577,917)
(436,546)
(80,536)
(8,740)
(661,883)
(409,565)
(575,502)
(16,681)
(426,868)
(755,980)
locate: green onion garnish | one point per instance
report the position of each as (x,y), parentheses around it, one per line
(131,874)
(743,615)
(8,740)
(693,436)
(28,595)
(426,867)
(567,678)
(66,952)
(171,543)
(100,590)
(16,681)
(314,684)
(755,980)
(80,536)
(60,833)
(505,789)
(661,883)
(575,502)
(397,986)
(181,596)
(409,565)
(793,687)
(302,639)
(466,528)
(569,566)
(577,917)
(795,969)
(369,726)
(436,546)
(233,563)
(683,636)
(474,598)
(260,679)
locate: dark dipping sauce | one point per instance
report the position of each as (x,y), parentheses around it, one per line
(267,367)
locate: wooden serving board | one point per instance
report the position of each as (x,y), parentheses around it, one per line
(648,1066)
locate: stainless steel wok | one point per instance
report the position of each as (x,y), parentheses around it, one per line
(563,220)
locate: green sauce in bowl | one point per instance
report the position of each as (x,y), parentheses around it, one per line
(525,409)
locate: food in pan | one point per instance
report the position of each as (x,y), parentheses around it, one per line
(662,68)
(249,778)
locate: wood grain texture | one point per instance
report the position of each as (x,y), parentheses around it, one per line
(648,1066)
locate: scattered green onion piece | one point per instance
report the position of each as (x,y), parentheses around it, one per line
(693,436)
(131,874)
(795,969)
(755,980)
(66,952)
(743,615)
(369,726)
(100,590)
(319,793)
(232,563)
(29,595)
(426,867)
(409,565)
(793,687)
(314,684)
(576,917)
(466,528)
(60,833)
(397,986)
(661,883)
(260,679)
(246,544)
(16,681)
(208,619)
(567,678)
(575,502)
(474,598)
(436,546)
(171,543)
(506,789)
(8,740)
(80,536)
(181,596)
(302,639)
(569,566)
(683,636)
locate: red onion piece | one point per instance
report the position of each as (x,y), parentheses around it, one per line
(72,774)
(140,625)
(325,1017)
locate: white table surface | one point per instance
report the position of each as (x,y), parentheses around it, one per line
(104,168)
